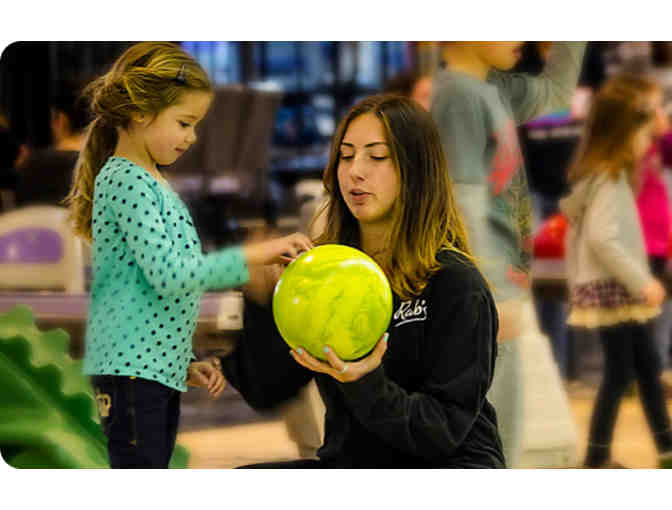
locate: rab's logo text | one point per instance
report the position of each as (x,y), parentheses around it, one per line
(411,311)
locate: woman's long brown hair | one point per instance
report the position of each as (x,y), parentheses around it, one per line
(426,218)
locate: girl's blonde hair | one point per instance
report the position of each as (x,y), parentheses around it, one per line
(426,218)
(619,110)
(146,78)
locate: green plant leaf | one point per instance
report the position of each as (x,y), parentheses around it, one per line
(48,416)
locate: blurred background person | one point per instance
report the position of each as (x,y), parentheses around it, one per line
(654,213)
(45,177)
(611,286)
(412,84)
(9,153)
(477,107)
(548,143)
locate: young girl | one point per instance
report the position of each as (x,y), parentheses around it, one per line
(418,399)
(149,270)
(611,286)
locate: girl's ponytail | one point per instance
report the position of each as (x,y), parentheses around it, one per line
(100,144)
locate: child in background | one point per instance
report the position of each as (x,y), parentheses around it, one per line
(149,269)
(476,108)
(413,84)
(611,286)
(654,214)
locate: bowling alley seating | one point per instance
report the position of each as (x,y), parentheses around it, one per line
(38,251)
(224,175)
(43,265)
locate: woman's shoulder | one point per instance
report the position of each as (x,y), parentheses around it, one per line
(458,274)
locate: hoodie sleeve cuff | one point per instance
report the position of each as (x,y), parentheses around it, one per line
(365,389)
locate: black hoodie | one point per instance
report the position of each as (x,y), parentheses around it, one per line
(425,406)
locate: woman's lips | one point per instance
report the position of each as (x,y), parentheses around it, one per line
(358,197)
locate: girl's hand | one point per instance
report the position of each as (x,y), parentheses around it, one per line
(205,374)
(654,293)
(281,250)
(339,369)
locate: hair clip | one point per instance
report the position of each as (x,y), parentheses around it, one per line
(181,76)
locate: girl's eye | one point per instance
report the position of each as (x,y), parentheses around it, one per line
(184,124)
(346,156)
(379,158)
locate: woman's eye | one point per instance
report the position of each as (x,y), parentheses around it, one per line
(379,158)
(346,156)
(184,124)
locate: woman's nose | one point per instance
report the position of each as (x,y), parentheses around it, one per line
(358,168)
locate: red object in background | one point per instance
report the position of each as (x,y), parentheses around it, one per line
(549,243)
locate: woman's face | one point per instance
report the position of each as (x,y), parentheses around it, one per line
(367,177)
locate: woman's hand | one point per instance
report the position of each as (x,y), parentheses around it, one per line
(280,250)
(337,368)
(206,374)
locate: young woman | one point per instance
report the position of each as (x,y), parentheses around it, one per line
(418,400)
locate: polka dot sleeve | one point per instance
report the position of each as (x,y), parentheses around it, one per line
(172,263)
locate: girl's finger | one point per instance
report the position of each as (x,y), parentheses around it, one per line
(218,387)
(221,387)
(199,378)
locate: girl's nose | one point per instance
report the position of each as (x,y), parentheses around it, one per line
(191,136)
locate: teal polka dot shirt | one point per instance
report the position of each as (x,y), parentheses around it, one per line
(149,273)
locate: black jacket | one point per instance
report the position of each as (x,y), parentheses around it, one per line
(425,406)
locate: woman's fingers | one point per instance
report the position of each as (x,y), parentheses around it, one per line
(336,363)
(306,360)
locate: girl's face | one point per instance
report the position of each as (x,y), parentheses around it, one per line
(653,129)
(661,123)
(172,131)
(367,177)
(642,140)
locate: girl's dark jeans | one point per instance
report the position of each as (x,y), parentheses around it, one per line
(629,354)
(139,418)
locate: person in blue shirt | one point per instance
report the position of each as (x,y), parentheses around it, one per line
(149,270)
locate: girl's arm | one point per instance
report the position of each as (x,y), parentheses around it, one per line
(259,288)
(260,367)
(434,420)
(170,265)
(532,96)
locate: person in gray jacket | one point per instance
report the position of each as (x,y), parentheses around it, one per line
(611,287)
(476,106)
